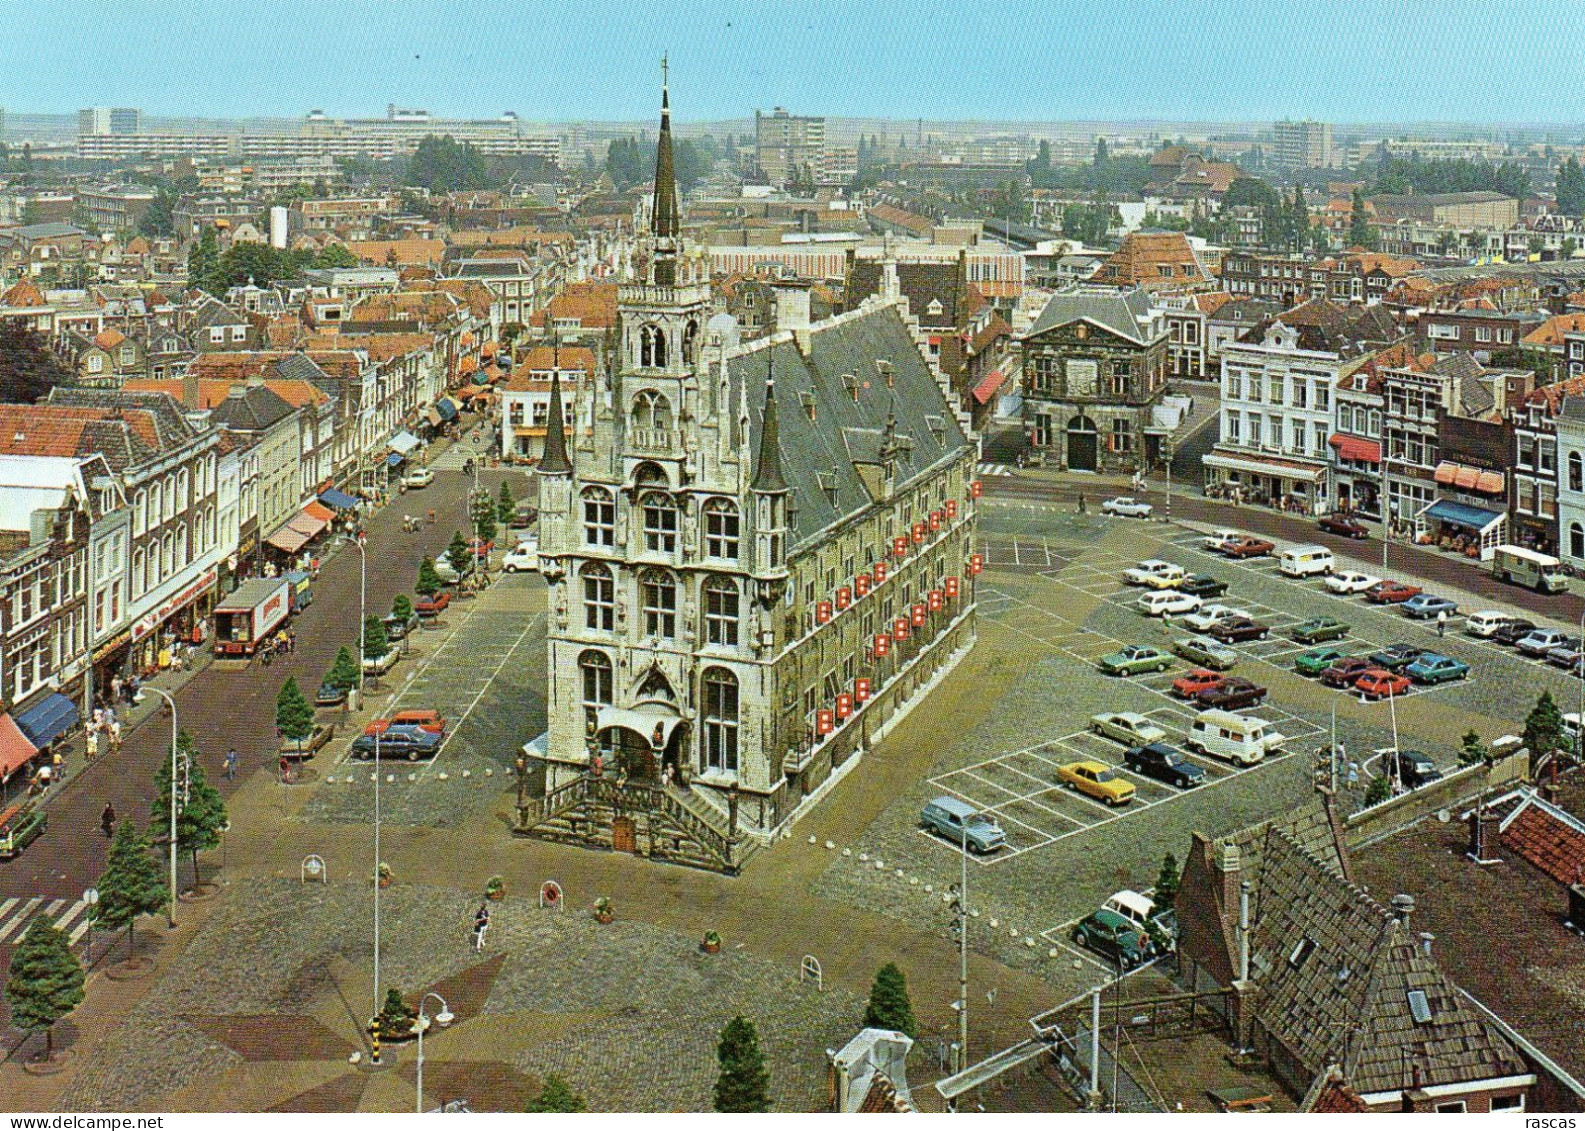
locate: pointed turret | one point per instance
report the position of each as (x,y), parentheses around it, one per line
(768,479)
(664,220)
(555,461)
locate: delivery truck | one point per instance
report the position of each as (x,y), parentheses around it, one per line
(245,619)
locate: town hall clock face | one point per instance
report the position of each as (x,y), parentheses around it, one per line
(1081,378)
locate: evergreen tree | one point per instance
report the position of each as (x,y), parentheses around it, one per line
(458,553)
(557,1097)
(203,259)
(1166,883)
(130,885)
(484,516)
(375,642)
(1543,729)
(889,1007)
(505,504)
(402,607)
(1471,750)
(344,672)
(1299,220)
(294,714)
(200,810)
(44,981)
(428,583)
(28,368)
(744,1084)
(1102,157)
(1380,790)
(1570,188)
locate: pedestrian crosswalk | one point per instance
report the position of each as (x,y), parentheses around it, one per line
(995,469)
(18,912)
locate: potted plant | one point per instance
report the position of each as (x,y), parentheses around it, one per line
(603,911)
(495,889)
(712,942)
(397,1021)
(383,875)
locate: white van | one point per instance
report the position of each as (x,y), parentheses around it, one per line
(1483,624)
(1131,905)
(1305,561)
(1232,737)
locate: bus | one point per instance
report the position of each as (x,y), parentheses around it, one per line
(1519,566)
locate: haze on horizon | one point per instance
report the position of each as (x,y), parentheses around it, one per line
(1019,61)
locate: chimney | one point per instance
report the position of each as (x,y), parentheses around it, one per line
(792,311)
(1402,908)
(190,399)
(1426,939)
(1243,931)
(1484,825)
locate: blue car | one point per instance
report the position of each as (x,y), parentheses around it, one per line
(1423,606)
(1434,668)
(410,742)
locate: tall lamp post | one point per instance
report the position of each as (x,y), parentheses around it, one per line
(171,703)
(443,1018)
(363,583)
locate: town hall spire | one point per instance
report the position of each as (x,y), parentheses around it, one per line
(664,223)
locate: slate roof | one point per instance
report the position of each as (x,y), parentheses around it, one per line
(818,452)
(1118,313)
(251,408)
(921,284)
(210,311)
(167,428)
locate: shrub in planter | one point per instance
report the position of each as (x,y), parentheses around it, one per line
(383,875)
(603,909)
(396,1019)
(495,888)
(711,943)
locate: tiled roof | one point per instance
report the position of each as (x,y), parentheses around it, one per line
(543,358)
(593,304)
(936,292)
(421,308)
(380,347)
(1141,256)
(1548,837)
(382,253)
(1212,301)
(901,218)
(1550,332)
(109,338)
(1551,396)
(24,295)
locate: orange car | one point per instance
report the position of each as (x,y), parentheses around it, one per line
(1379,683)
(422,718)
(1247,546)
(1200,679)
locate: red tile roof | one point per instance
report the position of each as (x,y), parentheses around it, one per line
(1550,332)
(23,296)
(1548,842)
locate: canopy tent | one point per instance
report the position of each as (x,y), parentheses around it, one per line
(339,500)
(447,408)
(287,540)
(394,460)
(47,719)
(403,442)
(307,524)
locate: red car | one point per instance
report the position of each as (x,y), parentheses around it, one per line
(1341,524)
(1346,671)
(1378,683)
(421,718)
(1233,694)
(432,606)
(1236,629)
(1390,593)
(1247,546)
(1188,686)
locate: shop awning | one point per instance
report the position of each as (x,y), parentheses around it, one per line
(642,721)
(1468,478)
(394,460)
(321,512)
(1445,472)
(306,524)
(47,719)
(287,540)
(403,442)
(469,391)
(1490,483)
(434,419)
(1462,514)
(1356,448)
(15,749)
(446,408)
(1255,466)
(988,385)
(340,500)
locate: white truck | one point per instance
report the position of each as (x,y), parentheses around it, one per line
(245,619)
(1519,566)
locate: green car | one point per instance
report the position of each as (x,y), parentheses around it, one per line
(1206,652)
(1317,660)
(1319,629)
(1133,659)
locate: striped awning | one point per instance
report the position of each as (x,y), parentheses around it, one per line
(15,749)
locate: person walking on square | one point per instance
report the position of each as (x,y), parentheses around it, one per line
(481,924)
(91,743)
(107,819)
(231,764)
(1441,623)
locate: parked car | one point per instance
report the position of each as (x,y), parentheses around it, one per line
(1424,606)
(1415,767)
(1540,641)
(1128,507)
(1202,585)
(524,515)
(1109,934)
(382,663)
(1352,581)
(1213,614)
(963,824)
(1132,659)
(432,606)
(1566,654)
(1344,672)
(1512,631)
(302,750)
(1390,592)
(1317,660)
(1155,573)
(412,743)
(1216,539)
(449,573)
(1236,629)
(1247,546)
(1095,780)
(1378,683)
(423,718)
(1341,524)
(1126,727)
(397,627)
(1486,623)
(1196,681)
(1160,761)
(1395,657)
(418,478)
(1233,694)
(1167,603)
(330,695)
(525,557)
(1317,629)
(1204,650)
(1435,668)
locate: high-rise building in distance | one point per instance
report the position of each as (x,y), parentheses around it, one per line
(1302,145)
(788,147)
(100,120)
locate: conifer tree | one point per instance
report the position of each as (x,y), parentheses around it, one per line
(505,504)
(889,1007)
(375,641)
(44,981)
(428,583)
(457,553)
(743,1085)
(131,884)
(344,672)
(294,714)
(402,607)
(200,810)
(557,1097)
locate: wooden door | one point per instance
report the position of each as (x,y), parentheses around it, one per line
(624,834)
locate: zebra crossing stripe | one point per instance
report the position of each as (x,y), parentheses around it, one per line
(81,929)
(12,929)
(6,906)
(19,919)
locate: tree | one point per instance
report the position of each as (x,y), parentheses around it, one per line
(402,607)
(44,981)
(28,369)
(344,671)
(458,553)
(1380,790)
(505,504)
(1166,883)
(1361,232)
(483,508)
(889,1007)
(1102,157)
(1471,750)
(130,885)
(1521,357)
(557,1097)
(1570,188)
(294,714)
(159,218)
(1543,729)
(1299,220)
(200,810)
(375,642)
(203,259)
(428,583)
(441,165)
(744,1084)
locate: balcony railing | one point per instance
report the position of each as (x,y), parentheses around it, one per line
(660,441)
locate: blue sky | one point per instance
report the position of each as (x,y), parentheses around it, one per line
(1415,60)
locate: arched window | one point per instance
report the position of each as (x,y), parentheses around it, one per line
(660,522)
(690,341)
(168,552)
(599,598)
(720,611)
(599,517)
(1576,540)
(1576,471)
(168,500)
(659,595)
(720,720)
(652,347)
(140,512)
(597,678)
(183,546)
(139,572)
(651,410)
(181,489)
(720,529)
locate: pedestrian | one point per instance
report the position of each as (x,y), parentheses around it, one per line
(115,736)
(107,819)
(1081,504)
(1441,623)
(231,764)
(286,770)
(91,743)
(268,654)
(115,688)
(432,517)
(481,924)
(291,642)
(133,686)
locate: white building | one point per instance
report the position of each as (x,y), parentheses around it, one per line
(1571,480)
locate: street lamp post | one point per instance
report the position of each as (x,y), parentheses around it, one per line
(171,703)
(363,583)
(443,1018)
